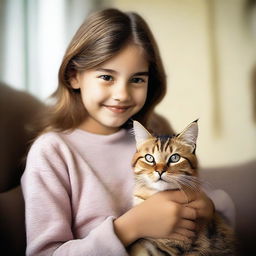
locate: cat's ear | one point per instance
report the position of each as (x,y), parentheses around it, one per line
(189,134)
(141,133)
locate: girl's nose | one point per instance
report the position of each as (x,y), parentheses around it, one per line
(121,92)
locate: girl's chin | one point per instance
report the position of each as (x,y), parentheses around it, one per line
(104,124)
(115,123)
(114,127)
(108,127)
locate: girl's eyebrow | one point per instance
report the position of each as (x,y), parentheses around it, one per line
(106,70)
(143,73)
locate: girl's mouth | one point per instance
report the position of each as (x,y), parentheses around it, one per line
(117,109)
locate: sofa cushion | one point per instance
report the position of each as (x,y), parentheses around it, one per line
(239,182)
(17,111)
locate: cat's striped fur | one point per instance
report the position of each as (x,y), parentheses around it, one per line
(169,162)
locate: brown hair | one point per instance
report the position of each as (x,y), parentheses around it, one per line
(98,39)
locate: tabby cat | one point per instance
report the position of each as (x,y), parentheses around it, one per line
(167,163)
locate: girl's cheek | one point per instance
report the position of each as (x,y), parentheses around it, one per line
(142,96)
(94,92)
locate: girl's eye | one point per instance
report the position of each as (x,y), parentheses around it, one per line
(174,158)
(149,158)
(106,77)
(137,80)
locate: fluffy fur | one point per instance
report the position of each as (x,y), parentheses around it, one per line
(166,163)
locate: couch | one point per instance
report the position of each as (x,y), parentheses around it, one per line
(19,109)
(239,182)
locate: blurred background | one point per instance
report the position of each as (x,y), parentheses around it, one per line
(208,48)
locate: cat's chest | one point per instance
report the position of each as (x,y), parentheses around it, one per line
(140,194)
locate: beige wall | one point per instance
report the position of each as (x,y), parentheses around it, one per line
(207,79)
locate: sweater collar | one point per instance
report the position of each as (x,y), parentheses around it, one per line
(99,138)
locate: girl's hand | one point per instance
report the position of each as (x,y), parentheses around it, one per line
(203,205)
(163,215)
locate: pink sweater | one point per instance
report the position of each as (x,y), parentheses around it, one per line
(74,185)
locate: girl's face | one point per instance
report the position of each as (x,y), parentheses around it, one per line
(114,91)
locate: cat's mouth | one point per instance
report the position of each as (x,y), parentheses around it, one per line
(177,182)
(162,185)
(160,179)
(163,182)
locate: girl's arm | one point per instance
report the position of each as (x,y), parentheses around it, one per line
(50,211)
(47,192)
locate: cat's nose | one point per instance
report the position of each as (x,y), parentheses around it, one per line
(160,169)
(160,172)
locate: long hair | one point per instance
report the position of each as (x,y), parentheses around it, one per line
(98,39)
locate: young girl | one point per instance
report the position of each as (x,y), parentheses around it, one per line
(78,180)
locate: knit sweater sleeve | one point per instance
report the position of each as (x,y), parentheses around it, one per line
(47,194)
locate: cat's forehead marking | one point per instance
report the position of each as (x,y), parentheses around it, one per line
(164,143)
(155,146)
(167,145)
(160,157)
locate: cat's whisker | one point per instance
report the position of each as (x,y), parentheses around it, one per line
(187,182)
(206,184)
(181,189)
(176,183)
(190,180)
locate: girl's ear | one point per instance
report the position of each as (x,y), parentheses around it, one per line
(141,133)
(75,81)
(189,134)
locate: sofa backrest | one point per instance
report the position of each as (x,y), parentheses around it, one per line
(17,112)
(239,182)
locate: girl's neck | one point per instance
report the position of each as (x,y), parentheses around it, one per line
(98,129)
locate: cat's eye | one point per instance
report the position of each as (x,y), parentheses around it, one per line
(174,158)
(149,158)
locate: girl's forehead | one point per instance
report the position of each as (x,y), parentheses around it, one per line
(131,57)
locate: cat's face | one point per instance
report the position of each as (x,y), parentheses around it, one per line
(165,162)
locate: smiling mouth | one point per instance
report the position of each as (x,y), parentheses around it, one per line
(117,109)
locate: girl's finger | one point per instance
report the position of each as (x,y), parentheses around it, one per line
(188,213)
(185,232)
(187,224)
(175,196)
